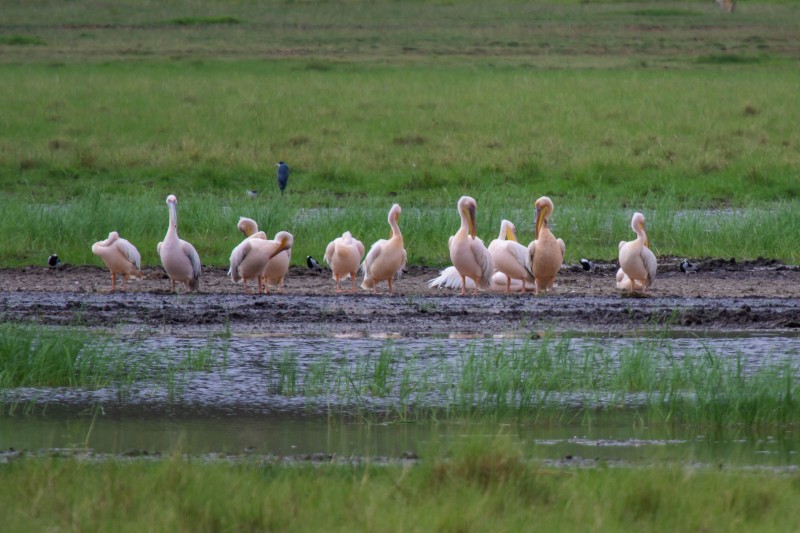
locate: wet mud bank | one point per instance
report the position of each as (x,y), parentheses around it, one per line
(722,295)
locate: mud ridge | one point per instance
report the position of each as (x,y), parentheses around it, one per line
(722,294)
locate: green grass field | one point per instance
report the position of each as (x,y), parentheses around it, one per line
(486,486)
(614,106)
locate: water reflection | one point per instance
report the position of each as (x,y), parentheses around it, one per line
(606,441)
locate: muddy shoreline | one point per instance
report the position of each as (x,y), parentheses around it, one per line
(722,295)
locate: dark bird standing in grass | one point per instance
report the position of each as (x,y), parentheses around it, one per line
(587,265)
(283,175)
(53,261)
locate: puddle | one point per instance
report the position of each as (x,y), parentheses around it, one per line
(260,436)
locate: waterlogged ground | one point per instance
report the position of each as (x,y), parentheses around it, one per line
(250,389)
(722,295)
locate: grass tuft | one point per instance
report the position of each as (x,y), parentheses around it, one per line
(33,357)
(21,40)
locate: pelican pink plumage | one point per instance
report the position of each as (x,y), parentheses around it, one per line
(253,258)
(510,258)
(467,252)
(178,257)
(387,257)
(280,250)
(344,254)
(545,253)
(120,256)
(637,262)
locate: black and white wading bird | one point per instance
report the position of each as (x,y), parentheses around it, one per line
(313,263)
(687,267)
(587,265)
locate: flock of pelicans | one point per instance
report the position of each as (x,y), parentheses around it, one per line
(505,262)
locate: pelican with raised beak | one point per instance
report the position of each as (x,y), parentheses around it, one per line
(387,257)
(178,257)
(636,261)
(545,253)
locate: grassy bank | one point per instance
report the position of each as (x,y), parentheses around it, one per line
(482,487)
(31,231)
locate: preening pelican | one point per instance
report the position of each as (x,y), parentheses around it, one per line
(636,261)
(386,258)
(344,255)
(545,253)
(248,226)
(467,252)
(279,258)
(249,258)
(261,259)
(510,257)
(120,256)
(179,258)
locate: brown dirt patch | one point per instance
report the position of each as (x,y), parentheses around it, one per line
(715,278)
(722,295)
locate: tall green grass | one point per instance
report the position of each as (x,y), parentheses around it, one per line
(551,381)
(47,358)
(544,381)
(39,357)
(485,486)
(31,231)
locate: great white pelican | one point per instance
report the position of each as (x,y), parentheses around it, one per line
(178,257)
(636,261)
(261,259)
(510,258)
(467,252)
(344,255)
(386,258)
(545,253)
(120,256)
(279,259)
(250,257)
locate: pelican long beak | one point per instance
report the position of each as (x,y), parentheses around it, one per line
(173,211)
(646,240)
(473,231)
(281,247)
(396,221)
(511,234)
(539,221)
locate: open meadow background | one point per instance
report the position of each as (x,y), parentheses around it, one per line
(677,109)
